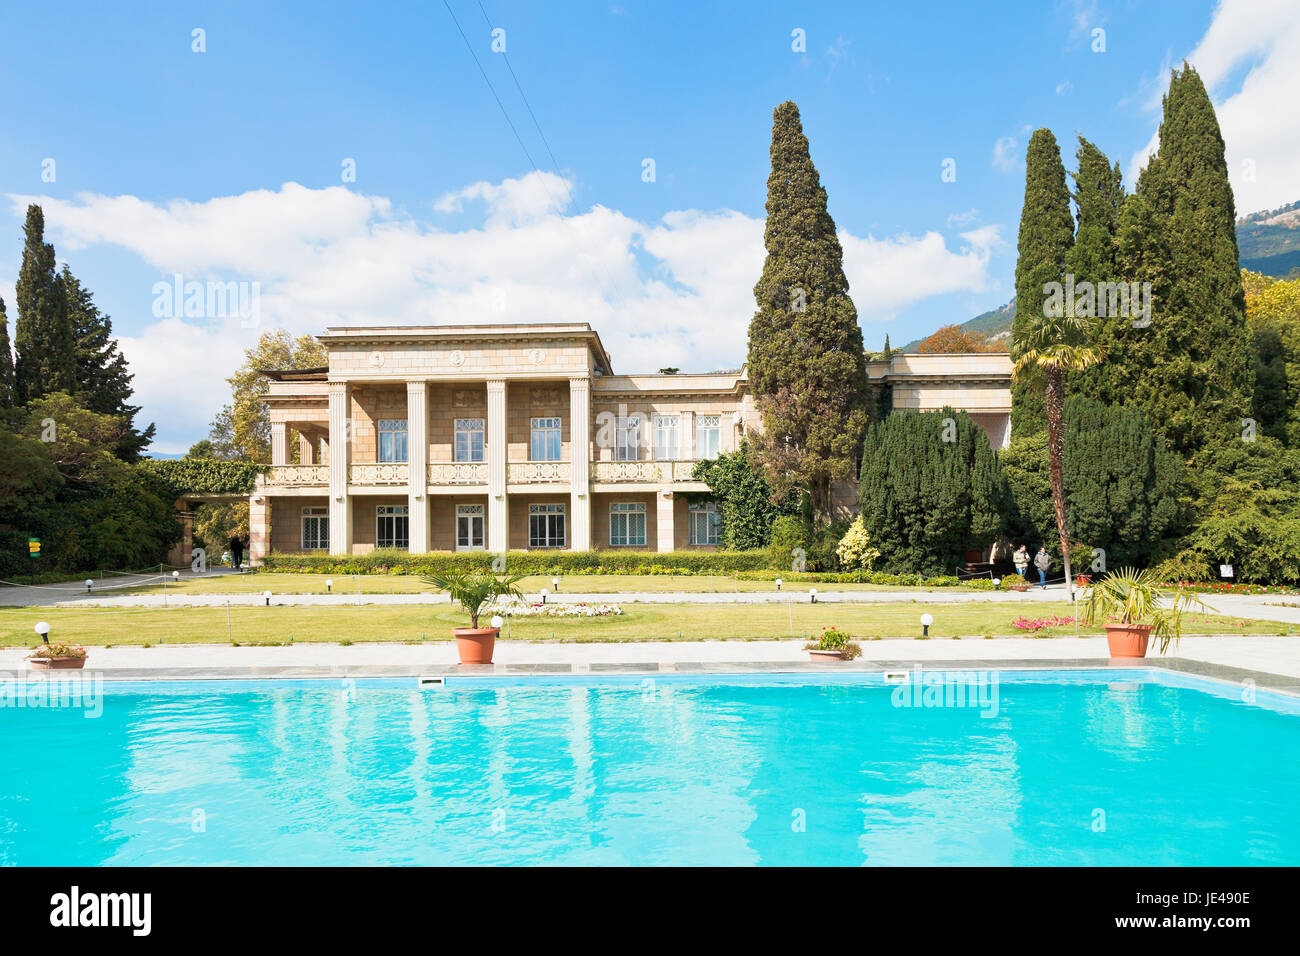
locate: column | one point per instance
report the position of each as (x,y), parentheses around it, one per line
(306,450)
(279,443)
(417,458)
(497,532)
(664,537)
(579,456)
(259,528)
(686,426)
(340,455)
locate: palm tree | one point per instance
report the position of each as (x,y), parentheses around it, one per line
(474,589)
(1052,346)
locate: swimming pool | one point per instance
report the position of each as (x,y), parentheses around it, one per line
(1062,767)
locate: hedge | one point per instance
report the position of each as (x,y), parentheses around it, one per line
(523,562)
(200,476)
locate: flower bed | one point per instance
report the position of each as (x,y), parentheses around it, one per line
(519,609)
(1039,623)
(1229,587)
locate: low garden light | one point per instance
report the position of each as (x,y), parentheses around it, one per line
(997,582)
(496,621)
(555,583)
(176,575)
(778,584)
(267,596)
(926,621)
(812,595)
(544,593)
(89,584)
(329,585)
(43,629)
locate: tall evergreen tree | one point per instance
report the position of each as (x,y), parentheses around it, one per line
(1048,340)
(1046,237)
(806,360)
(43,339)
(6,362)
(1192,367)
(103,378)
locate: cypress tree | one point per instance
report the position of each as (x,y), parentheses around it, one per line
(1046,237)
(931,490)
(43,340)
(102,376)
(1194,359)
(807,365)
(6,362)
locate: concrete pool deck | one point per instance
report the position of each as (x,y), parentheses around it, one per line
(1273,662)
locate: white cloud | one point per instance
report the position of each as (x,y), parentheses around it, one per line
(1005,156)
(1260,129)
(678,291)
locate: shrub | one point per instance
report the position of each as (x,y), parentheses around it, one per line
(522,562)
(1013,580)
(855,550)
(789,545)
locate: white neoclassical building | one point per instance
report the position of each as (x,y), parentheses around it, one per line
(442,438)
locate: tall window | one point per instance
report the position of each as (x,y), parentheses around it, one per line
(627,439)
(391,526)
(708,436)
(315,529)
(705,522)
(545,445)
(392,439)
(667,437)
(546,526)
(469,440)
(627,523)
(469,527)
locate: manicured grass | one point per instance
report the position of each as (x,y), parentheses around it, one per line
(358,623)
(409,584)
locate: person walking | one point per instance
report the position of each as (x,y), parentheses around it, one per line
(1042,561)
(237,553)
(1021,559)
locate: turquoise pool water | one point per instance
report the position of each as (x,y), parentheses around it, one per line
(1068,768)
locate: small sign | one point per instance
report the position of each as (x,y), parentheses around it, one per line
(1225,570)
(34,547)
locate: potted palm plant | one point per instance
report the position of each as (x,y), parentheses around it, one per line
(473,590)
(1133,608)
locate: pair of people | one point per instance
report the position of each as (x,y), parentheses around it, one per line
(236,553)
(1042,561)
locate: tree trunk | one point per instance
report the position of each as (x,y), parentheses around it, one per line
(1055,457)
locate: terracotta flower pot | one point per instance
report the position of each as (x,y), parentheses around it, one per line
(1128,640)
(57,663)
(824,656)
(476,644)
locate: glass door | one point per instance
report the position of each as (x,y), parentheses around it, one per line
(469,527)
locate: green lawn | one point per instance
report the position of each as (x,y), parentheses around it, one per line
(637,623)
(408,584)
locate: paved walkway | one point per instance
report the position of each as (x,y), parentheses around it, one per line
(1275,655)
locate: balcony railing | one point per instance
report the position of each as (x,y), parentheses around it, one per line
(298,476)
(386,473)
(538,472)
(458,473)
(642,471)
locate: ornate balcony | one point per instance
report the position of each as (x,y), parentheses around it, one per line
(538,472)
(641,472)
(458,473)
(298,476)
(386,473)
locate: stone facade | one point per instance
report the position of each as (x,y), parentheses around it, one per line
(521,436)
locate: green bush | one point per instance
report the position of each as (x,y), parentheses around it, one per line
(788,549)
(205,475)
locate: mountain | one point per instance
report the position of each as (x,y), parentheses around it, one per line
(1269,242)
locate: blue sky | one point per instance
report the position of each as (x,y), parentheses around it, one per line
(172,161)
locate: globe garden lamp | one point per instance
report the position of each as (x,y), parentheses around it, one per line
(267,595)
(329,585)
(926,621)
(89,584)
(43,629)
(544,593)
(555,583)
(778,584)
(496,621)
(812,595)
